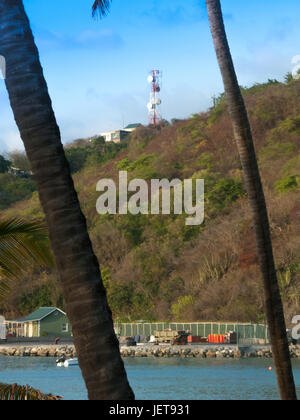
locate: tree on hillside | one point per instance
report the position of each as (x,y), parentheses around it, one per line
(19,160)
(4,165)
(85,297)
(76,157)
(290,77)
(244,140)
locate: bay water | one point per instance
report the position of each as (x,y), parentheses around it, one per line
(158,379)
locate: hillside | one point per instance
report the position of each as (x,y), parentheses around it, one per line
(155,267)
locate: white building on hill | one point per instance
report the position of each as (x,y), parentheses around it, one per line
(117,136)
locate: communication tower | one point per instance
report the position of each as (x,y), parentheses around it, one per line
(153,106)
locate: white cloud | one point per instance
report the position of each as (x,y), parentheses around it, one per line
(10,140)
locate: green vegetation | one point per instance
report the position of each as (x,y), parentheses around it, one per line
(77,157)
(41,296)
(4,165)
(156,267)
(288,183)
(97,151)
(223,193)
(277,150)
(23,245)
(14,189)
(182,307)
(142,167)
(19,160)
(15,186)
(289,78)
(24,393)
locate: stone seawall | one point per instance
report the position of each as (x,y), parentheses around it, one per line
(38,351)
(195,351)
(204,352)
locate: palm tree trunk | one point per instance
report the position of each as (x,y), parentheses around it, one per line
(243,138)
(84,294)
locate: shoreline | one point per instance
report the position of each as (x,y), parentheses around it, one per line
(162,351)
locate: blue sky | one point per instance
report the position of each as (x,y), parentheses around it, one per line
(97,69)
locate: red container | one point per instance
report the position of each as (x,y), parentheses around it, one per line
(194,339)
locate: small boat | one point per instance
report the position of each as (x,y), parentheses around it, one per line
(71,362)
(63,362)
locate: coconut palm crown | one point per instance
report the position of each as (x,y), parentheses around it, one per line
(101,7)
(22,245)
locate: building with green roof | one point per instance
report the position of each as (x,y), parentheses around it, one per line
(43,322)
(132,127)
(118,136)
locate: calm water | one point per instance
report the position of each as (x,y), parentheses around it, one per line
(158,379)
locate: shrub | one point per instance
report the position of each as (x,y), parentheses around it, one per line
(142,167)
(205,161)
(14,189)
(277,150)
(288,183)
(224,193)
(181,311)
(77,157)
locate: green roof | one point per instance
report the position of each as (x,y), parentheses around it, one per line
(39,314)
(133,126)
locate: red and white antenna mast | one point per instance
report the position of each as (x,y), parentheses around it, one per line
(153,106)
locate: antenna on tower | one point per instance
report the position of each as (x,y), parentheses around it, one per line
(153,106)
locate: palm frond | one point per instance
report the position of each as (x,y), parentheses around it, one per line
(101,7)
(22,246)
(24,393)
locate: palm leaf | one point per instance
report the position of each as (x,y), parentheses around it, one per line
(23,393)
(101,7)
(22,246)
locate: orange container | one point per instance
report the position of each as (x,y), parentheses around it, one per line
(216,339)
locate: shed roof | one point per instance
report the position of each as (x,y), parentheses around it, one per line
(39,314)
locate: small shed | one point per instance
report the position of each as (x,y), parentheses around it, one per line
(41,323)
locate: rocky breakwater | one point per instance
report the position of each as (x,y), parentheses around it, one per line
(179,351)
(38,351)
(203,352)
(196,351)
